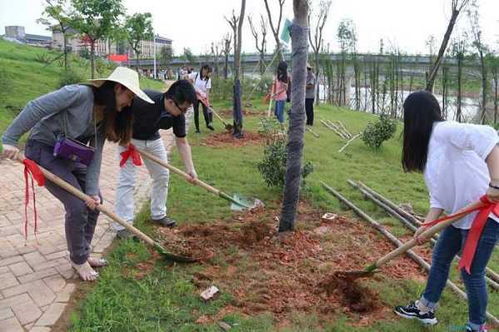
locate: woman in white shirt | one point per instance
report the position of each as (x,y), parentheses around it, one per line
(202,84)
(460,163)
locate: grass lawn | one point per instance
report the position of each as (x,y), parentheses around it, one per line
(23,77)
(138,292)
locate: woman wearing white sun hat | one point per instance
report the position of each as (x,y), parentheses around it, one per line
(89,114)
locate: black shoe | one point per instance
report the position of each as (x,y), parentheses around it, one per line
(124,234)
(210,127)
(165,222)
(411,311)
(197,131)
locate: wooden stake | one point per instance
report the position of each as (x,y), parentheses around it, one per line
(349,141)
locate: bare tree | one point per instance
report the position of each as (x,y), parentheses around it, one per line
(317,41)
(216,51)
(275,28)
(481,49)
(456,7)
(293,176)
(236,23)
(226,42)
(458,50)
(261,47)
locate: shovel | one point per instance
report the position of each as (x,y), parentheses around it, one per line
(370,269)
(239,203)
(72,190)
(205,103)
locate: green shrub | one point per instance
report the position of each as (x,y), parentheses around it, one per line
(68,77)
(376,133)
(275,155)
(44,58)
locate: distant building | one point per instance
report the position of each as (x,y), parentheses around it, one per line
(104,48)
(17,33)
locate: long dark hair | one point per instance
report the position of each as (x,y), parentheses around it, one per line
(282,72)
(208,69)
(117,125)
(421,111)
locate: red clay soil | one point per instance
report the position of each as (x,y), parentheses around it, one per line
(225,139)
(290,273)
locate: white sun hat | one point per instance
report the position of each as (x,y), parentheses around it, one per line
(126,77)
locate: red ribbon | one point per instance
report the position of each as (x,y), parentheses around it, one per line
(202,99)
(475,231)
(31,170)
(133,153)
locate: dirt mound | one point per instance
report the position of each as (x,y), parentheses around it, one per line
(226,139)
(285,274)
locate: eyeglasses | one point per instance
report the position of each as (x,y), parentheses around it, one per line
(183,110)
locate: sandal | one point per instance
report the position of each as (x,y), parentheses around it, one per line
(97,262)
(85,271)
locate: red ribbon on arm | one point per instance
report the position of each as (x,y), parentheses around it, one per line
(475,231)
(133,153)
(31,170)
(202,99)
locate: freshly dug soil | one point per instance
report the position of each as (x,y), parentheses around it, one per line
(224,139)
(292,272)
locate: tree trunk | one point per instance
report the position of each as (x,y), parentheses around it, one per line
(65,45)
(316,87)
(484,87)
(434,69)
(226,66)
(92,58)
(237,111)
(496,91)
(293,177)
(459,86)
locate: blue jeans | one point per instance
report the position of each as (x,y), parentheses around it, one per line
(450,242)
(279,110)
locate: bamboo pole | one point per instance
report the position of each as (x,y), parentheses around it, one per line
(312,132)
(344,128)
(413,228)
(337,127)
(333,129)
(421,262)
(409,217)
(349,141)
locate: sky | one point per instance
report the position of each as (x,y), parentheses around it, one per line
(195,24)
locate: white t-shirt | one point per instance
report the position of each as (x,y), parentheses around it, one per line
(456,173)
(199,84)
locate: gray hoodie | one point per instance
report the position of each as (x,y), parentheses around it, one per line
(45,118)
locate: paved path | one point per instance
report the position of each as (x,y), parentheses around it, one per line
(36,278)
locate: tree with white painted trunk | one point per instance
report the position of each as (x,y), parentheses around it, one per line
(299,42)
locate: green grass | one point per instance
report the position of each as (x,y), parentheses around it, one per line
(24,78)
(166,301)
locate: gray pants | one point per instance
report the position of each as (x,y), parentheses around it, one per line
(80,220)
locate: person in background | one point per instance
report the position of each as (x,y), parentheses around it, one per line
(310,95)
(202,84)
(460,163)
(280,90)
